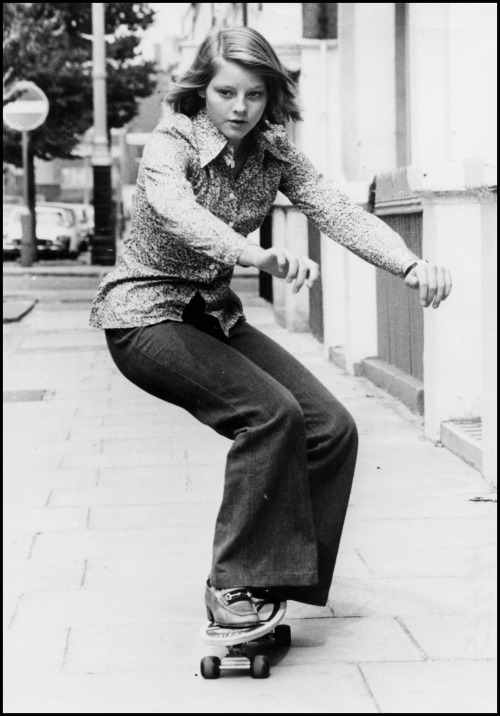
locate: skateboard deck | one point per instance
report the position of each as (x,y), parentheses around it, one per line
(235,639)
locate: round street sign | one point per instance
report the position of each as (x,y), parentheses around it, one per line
(29,108)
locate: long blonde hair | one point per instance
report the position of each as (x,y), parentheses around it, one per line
(250,49)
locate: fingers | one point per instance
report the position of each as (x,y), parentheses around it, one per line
(433,282)
(427,289)
(282,261)
(313,274)
(293,267)
(440,287)
(301,270)
(448,284)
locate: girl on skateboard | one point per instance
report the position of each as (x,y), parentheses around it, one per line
(208,177)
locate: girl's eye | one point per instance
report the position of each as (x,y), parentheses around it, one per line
(228,93)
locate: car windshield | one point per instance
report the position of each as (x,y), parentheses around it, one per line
(52,218)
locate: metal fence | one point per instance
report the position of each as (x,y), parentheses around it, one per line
(400,325)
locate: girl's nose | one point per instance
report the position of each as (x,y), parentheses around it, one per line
(239,104)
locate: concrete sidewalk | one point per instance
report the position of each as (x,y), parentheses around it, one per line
(110,502)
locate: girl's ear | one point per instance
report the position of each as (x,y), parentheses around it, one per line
(202,93)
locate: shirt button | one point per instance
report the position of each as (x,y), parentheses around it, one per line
(212,266)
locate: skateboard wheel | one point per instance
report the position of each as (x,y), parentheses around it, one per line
(210,667)
(260,667)
(283,635)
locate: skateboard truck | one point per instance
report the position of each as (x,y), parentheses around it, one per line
(259,665)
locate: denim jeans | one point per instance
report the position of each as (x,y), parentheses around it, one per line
(290,467)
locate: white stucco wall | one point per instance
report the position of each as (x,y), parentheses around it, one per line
(452,236)
(367,89)
(453,81)
(489,406)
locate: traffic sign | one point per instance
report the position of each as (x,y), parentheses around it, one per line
(28,109)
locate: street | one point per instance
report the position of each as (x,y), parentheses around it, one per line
(110,500)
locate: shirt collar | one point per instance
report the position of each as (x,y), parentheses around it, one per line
(211,141)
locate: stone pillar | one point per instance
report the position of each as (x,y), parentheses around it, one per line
(279,238)
(334,313)
(452,333)
(290,231)
(360,311)
(489,333)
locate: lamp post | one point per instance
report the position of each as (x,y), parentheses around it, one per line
(103,245)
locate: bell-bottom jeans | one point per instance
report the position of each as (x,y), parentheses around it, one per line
(290,467)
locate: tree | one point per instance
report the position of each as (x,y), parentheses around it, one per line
(51,45)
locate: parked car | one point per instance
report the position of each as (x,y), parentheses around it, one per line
(11,246)
(84,214)
(55,230)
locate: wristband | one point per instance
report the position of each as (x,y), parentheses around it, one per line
(410,267)
(413,266)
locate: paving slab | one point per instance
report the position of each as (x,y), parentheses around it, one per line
(51,573)
(35,651)
(45,520)
(47,480)
(451,687)
(119,543)
(447,532)
(153,573)
(410,505)
(136,494)
(159,476)
(25,496)
(67,608)
(453,636)
(153,516)
(404,596)
(428,561)
(335,688)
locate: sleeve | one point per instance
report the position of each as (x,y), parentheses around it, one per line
(165,169)
(340,218)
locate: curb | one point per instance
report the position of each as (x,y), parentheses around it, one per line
(84,271)
(92,271)
(14,310)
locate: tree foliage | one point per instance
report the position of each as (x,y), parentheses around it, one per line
(51,45)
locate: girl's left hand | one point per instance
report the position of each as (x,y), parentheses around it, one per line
(433,282)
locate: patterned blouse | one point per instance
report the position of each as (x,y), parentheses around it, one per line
(191,218)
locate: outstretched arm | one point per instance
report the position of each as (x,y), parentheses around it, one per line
(358,230)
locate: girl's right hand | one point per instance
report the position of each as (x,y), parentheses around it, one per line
(282,263)
(432,281)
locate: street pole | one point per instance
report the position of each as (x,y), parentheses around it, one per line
(28,221)
(103,249)
(26,108)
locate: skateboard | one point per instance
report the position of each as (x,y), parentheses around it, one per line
(236,639)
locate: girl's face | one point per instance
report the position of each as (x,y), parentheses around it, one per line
(236,99)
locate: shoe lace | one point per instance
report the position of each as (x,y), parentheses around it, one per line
(237,595)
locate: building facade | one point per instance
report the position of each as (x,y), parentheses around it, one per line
(399,112)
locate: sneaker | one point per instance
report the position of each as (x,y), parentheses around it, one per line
(231,607)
